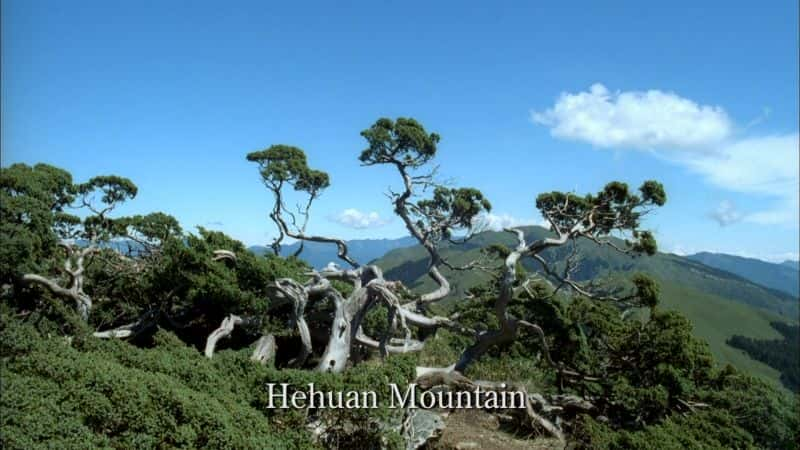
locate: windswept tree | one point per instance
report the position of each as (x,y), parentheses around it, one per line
(626,373)
(33,202)
(80,238)
(433,214)
(406,145)
(62,237)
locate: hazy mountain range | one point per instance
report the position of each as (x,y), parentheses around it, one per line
(790,263)
(318,255)
(722,294)
(719,303)
(784,276)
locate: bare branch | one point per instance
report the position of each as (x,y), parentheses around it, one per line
(146,321)
(224,330)
(224,254)
(75,271)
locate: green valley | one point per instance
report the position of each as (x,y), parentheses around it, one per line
(719,304)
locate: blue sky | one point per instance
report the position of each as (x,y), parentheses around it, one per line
(528,97)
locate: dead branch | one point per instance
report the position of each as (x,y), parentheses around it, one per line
(224,330)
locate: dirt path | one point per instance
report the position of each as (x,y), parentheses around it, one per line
(476,429)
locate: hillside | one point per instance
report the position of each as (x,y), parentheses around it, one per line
(792,264)
(784,277)
(719,303)
(320,254)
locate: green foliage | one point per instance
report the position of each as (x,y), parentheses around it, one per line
(782,354)
(718,303)
(769,416)
(646,373)
(376,321)
(403,141)
(184,282)
(646,244)
(358,427)
(108,393)
(653,192)
(114,189)
(647,290)
(652,380)
(451,208)
(740,412)
(111,394)
(32,203)
(281,164)
(154,227)
(705,429)
(613,208)
(405,144)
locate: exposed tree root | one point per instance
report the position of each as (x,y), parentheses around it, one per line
(225,329)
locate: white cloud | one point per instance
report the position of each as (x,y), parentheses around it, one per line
(726,214)
(498,222)
(635,120)
(683,132)
(354,218)
(762,165)
(776,216)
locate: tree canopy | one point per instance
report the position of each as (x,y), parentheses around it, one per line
(129,331)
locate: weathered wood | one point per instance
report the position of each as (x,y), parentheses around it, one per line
(264,350)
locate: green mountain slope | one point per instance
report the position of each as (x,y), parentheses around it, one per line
(783,277)
(719,303)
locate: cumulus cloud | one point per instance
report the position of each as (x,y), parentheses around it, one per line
(726,214)
(697,137)
(762,165)
(635,120)
(498,222)
(354,218)
(765,166)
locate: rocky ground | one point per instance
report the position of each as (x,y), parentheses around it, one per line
(477,429)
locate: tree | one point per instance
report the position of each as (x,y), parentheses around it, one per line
(32,204)
(625,371)
(407,146)
(593,217)
(79,238)
(446,214)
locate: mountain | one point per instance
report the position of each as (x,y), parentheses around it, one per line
(792,264)
(318,254)
(720,304)
(784,277)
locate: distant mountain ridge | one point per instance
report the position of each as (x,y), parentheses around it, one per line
(783,277)
(790,263)
(318,255)
(719,303)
